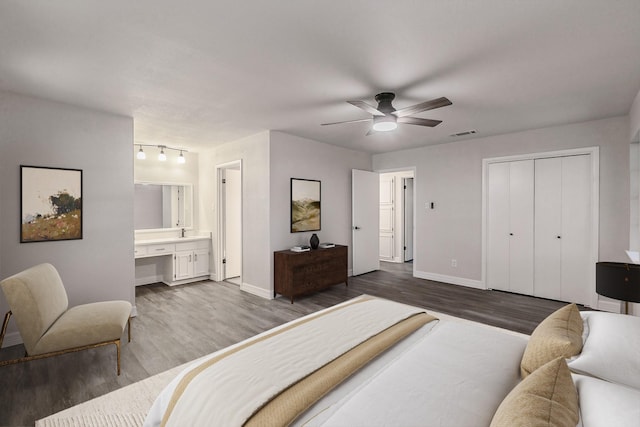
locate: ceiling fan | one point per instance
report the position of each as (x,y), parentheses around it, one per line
(386,117)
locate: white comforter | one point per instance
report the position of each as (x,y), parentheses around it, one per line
(453,373)
(448,373)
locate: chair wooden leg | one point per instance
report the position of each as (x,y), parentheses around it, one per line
(4,326)
(117,343)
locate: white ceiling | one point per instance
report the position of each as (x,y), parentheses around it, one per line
(197,73)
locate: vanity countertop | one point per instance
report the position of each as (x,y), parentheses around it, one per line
(170,240)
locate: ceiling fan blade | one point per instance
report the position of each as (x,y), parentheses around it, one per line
(418,121)
(423,106)
(347,121)
(366,107)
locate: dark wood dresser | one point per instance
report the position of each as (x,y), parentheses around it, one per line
(298,273)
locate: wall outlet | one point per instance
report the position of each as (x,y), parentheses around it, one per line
(454,263)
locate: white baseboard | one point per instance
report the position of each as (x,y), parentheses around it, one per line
(461,281)
(11,339)
(610,306)
(261,292)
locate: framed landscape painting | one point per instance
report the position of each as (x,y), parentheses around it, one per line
(50,204)
(305,205)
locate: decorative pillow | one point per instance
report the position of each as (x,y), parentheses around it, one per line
(604,404)
(612,349)
(547,397)
(559,335)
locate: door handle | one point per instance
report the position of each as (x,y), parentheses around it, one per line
(356,228)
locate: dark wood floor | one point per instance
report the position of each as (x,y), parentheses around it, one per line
(178,324)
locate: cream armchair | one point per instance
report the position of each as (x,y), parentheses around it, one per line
(38,301)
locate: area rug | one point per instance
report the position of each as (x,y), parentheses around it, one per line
(125,407)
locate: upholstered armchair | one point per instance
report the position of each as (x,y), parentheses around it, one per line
(38,301)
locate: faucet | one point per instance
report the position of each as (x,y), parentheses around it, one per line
(182,232)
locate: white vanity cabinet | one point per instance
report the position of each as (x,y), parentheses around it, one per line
(175,261)
(191,260)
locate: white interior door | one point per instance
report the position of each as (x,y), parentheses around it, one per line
(365,194)
(563,218)
(510,226)
(408,219)
(498,226)
(576,220)
(233,223)
(521,189)
(387,217)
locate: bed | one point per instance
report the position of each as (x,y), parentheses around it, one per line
(371,361)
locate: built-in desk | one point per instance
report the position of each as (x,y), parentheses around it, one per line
(186,259)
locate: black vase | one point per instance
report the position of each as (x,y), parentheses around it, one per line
(314,241)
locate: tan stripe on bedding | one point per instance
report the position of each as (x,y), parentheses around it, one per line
(288,405)
(184,382)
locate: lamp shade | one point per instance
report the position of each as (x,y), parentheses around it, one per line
(618,280)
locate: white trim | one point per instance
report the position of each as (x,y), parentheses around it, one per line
(134,311)
(610,306)
(255,290)
(594,152)
(218,255)
(460,281)
(416,185)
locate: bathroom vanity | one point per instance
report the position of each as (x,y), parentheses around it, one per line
(177,260)
(167,247)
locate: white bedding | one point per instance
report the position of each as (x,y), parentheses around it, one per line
(232,384)
(449,374)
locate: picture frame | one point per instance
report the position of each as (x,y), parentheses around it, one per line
(50,204)
(305,210)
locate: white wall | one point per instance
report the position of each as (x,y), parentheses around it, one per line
(295,157)
(634,116)
(269,161)
(451,176)
(44,133)
(253,151)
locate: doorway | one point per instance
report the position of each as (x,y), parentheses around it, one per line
(397,216)
(230,222)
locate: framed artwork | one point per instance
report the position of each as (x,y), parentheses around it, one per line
(305,205)
(50,204)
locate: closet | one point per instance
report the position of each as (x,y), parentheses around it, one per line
(539,227)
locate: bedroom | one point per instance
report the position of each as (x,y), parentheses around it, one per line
(43,124)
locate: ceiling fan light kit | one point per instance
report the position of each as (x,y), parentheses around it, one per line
(384,123)
(386,118)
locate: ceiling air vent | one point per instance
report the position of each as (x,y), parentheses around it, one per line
(467,132)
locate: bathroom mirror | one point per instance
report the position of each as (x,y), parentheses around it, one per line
(162,206)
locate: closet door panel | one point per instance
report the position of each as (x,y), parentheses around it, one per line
(498,227)
(521,192)
(548,226)
(576,223)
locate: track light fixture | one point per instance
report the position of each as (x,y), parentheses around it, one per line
(141,155)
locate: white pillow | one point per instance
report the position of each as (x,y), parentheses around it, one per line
(611,349)
(604,404)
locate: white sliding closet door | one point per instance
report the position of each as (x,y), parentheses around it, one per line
(510,226)
(563,220)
